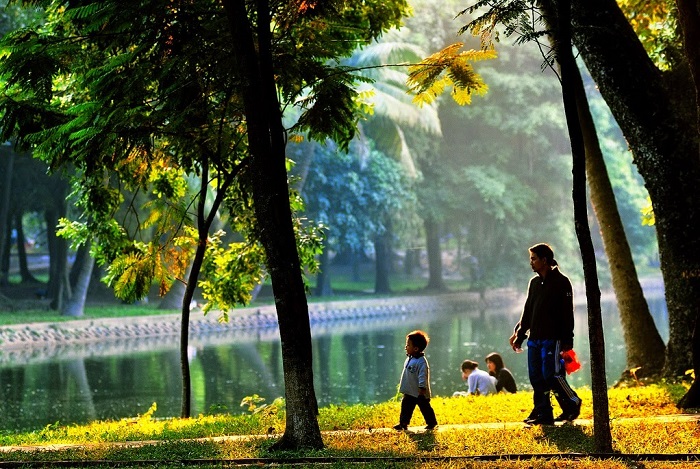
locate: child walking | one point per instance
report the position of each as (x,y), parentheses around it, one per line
(415,382)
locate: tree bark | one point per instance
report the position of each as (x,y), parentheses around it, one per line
(571,82)
(382,261)
(274,219)
(432,244)
(689,18)
(24,273)
(689,15)
(75,305)
(323,278)
(665,149)
(175,296)
(645,347)
(5,211)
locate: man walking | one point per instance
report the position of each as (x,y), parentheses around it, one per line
(548,324)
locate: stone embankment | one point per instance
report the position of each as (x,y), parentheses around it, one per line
(19,342)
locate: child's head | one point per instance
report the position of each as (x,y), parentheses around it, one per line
(417,341)
(467,367)
(495,362)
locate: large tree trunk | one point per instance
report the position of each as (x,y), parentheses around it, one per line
(689,15)
(572,85)
(645,347)
(666,153)
(432,244)
(274,218)
(75,305)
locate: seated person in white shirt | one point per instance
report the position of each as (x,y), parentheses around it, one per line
(479,382)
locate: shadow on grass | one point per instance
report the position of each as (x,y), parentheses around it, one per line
(425,441)
(569,438)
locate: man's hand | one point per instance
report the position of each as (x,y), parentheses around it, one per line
(515,346)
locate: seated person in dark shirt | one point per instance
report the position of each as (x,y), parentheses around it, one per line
(504,378)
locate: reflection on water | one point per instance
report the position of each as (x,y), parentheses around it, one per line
(354,361)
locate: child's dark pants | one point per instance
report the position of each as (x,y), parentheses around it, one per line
(408,405)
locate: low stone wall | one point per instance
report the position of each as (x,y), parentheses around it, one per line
(115,329)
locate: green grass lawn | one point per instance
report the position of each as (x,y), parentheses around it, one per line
(368,435)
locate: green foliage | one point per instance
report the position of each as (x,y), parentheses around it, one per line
(134,96)
(656,25)
(355,198)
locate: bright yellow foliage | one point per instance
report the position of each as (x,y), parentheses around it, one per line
(448,68)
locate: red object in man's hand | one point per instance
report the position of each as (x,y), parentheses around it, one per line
(571,363)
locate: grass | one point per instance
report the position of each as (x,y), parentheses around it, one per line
(450,447)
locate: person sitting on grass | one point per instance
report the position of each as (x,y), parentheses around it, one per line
(504,378)
(479,383)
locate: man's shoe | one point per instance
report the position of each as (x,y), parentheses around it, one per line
(400,427)
(569,416)
(430,427)
(541,421)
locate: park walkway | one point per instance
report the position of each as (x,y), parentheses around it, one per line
(411,430)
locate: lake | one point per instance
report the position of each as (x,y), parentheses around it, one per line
(354,361)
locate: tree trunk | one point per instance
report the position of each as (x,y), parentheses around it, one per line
(382,261)
(689,15)
(58,261)
(175,296)
(645,347)
(5,212)
(411,260)
(432,244)
(571,87)
(666,153)
(24,273)
(689,18)
(75,305)
(274,218)
(323,278)
(76,268)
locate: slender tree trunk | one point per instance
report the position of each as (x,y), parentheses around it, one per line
(175,296)
(411,260)
(75,305)
(571,82)
(323,278)
(5,211)
(645,347)
(58,262)
(274,218)
(75,269)
(665,149)
(25,275)
(432,244)
(382,262)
